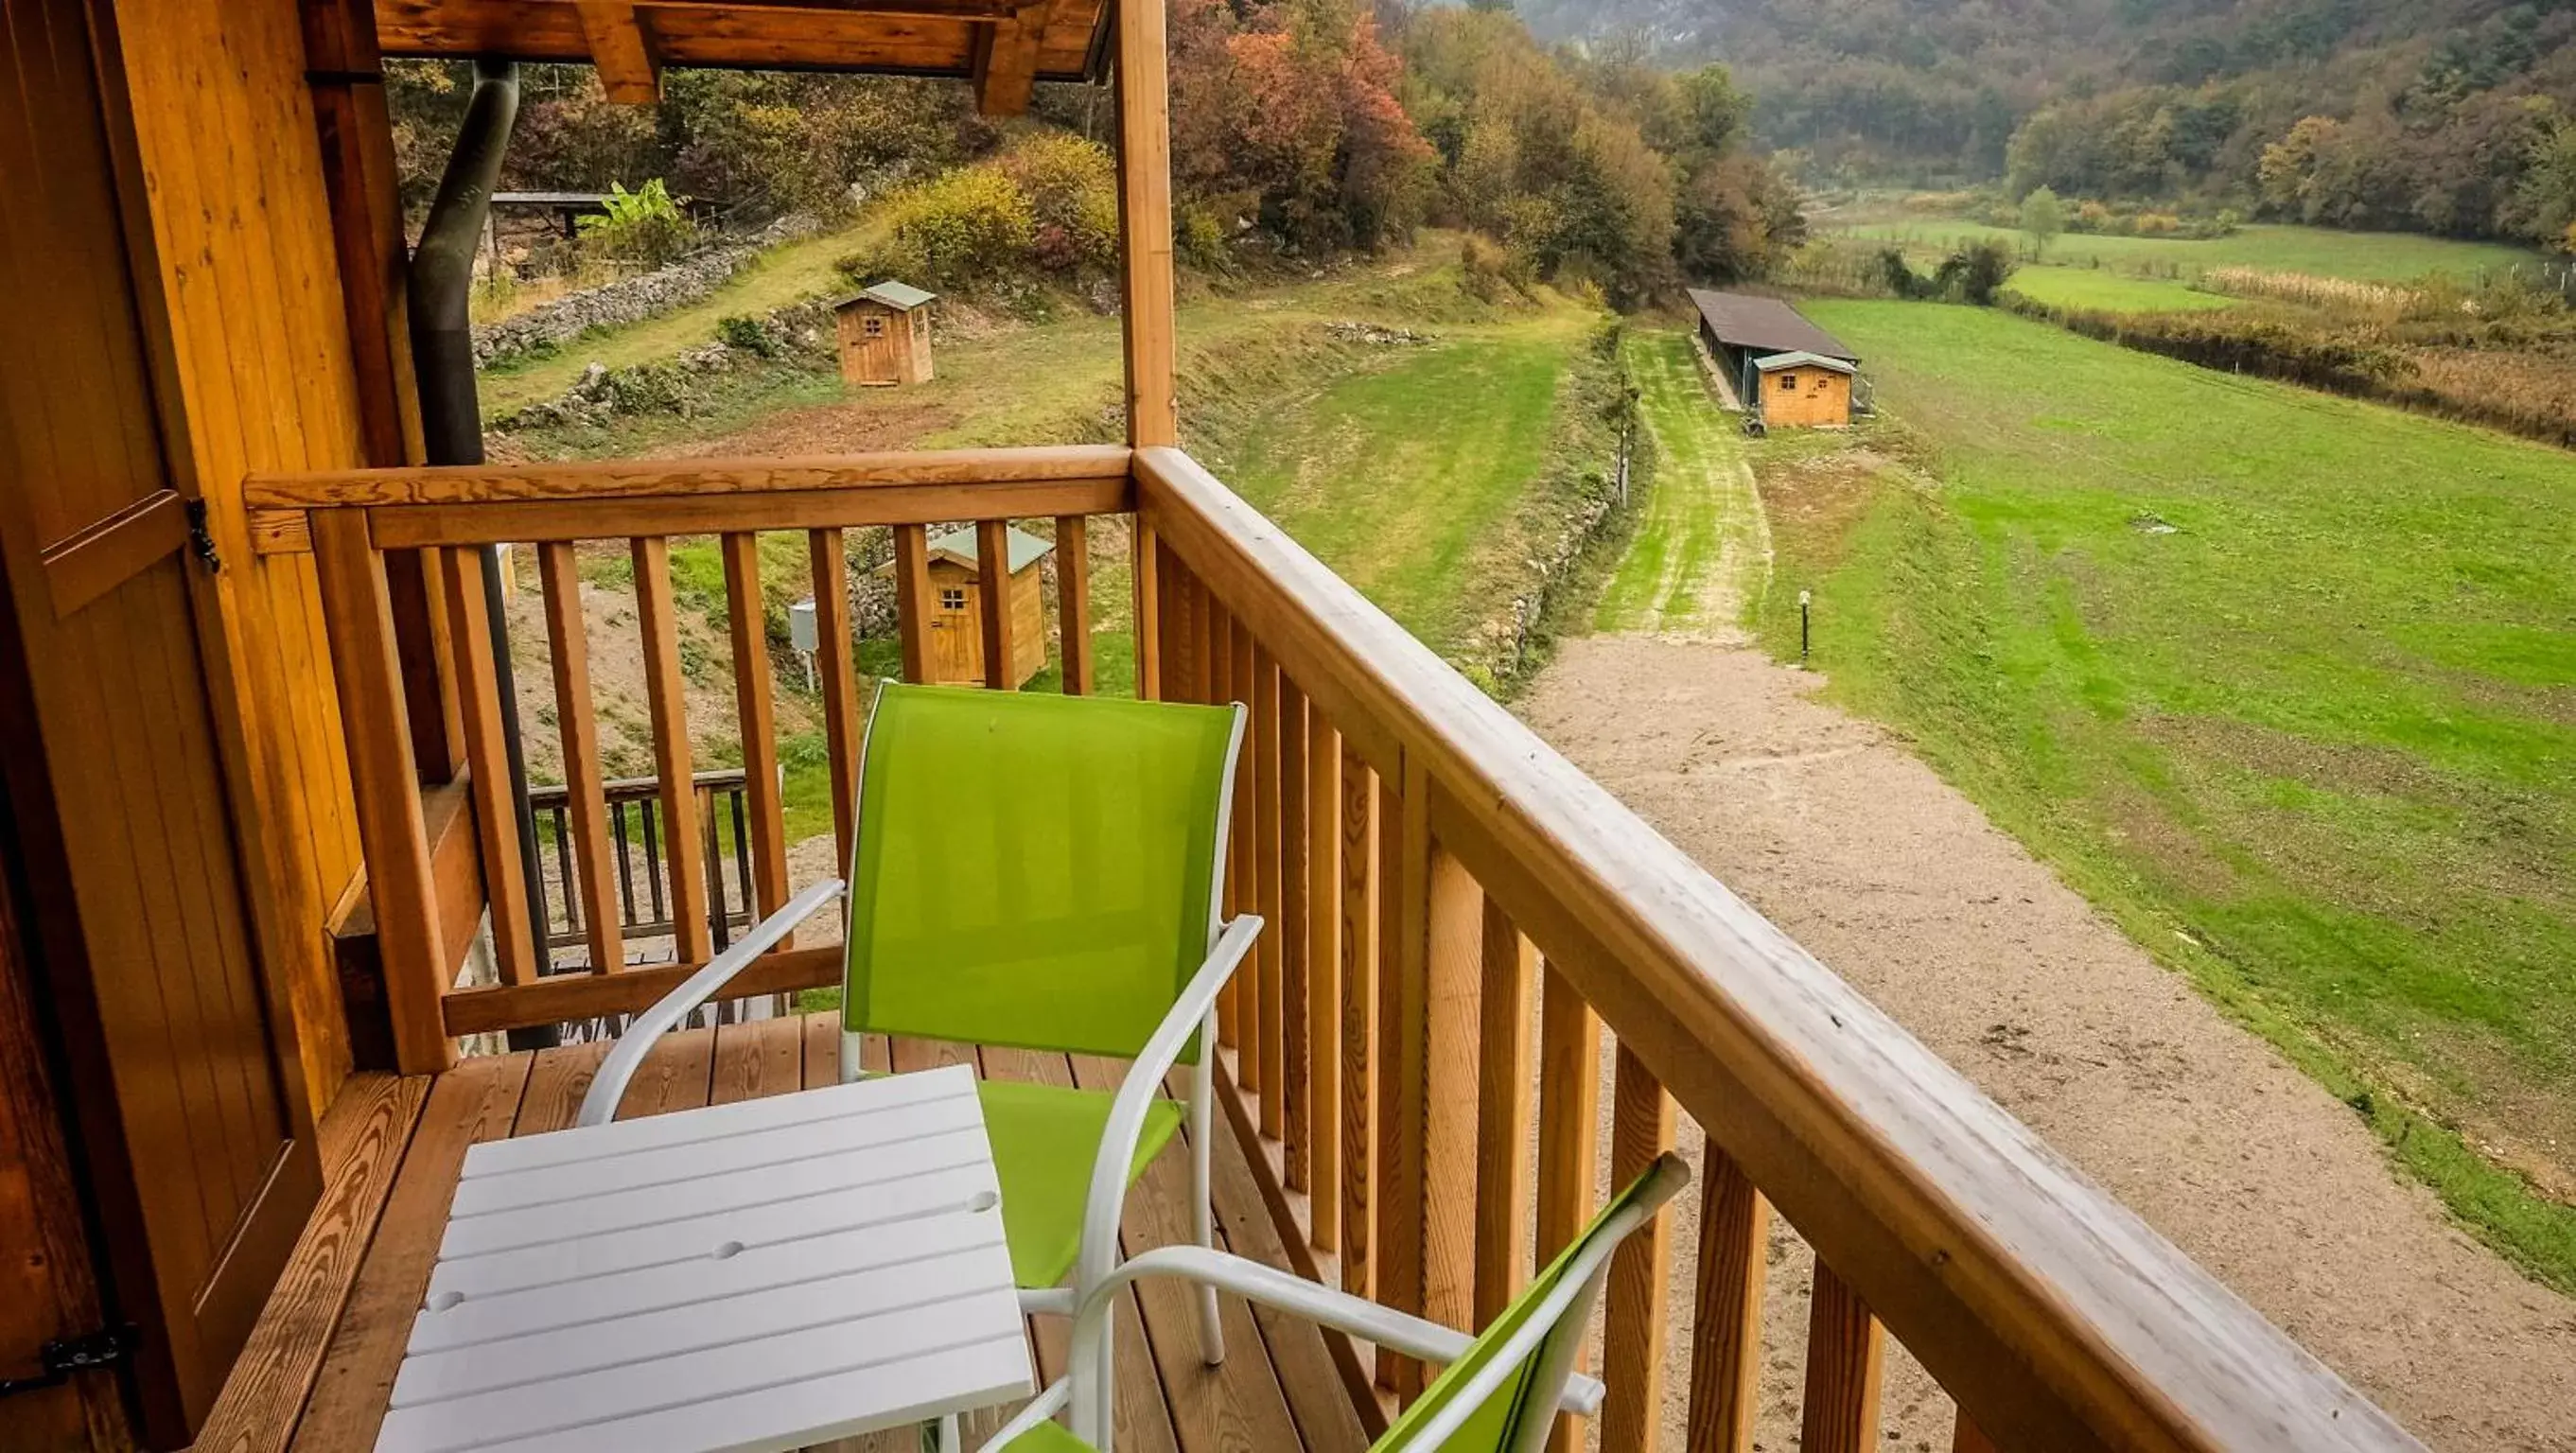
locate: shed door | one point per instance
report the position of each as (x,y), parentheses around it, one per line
(129,808)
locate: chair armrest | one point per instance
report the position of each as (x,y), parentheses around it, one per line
(1382,1326)
(1188,1016)
(599,1106)
(1041,1408)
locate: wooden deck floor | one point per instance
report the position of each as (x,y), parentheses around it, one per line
(323,1359)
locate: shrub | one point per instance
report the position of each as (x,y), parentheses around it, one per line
(953,231)
(1198,234)
(1485,267)
(1072,191)
(746,334)
(643,226)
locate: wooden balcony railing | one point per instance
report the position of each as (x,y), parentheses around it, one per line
(1461,916)
(639,837)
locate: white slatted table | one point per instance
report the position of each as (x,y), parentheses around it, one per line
(765,1275)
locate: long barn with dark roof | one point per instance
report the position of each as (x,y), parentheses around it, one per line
(1785,368)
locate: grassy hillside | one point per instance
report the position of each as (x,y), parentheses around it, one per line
(2286,683)
(2362,256)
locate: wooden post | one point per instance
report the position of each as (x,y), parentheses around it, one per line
(1569,1118)
(1324,980)
(496,820)
(1502,1113)
(1147,567)
(1145,223)
(1403,1018)
(832,642)
(391,830)
(1359,926)
(912,599)
(1726,1360)
(666,696)
(1000,623)
(1844,1353)
(1632,1339)
(1073,604)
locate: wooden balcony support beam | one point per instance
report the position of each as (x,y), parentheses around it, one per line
(622,50)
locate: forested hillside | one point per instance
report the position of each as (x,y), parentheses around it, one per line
(2450,116)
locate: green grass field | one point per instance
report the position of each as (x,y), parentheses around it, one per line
(2100,290)
(1701,549)
(2324,252)
(2286,683)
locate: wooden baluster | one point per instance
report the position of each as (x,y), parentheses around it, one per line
(368,667)
(1296,1051)
(1726,1360)
(1151,563)
(1171,630)
(496,812)
(1403,1018)
(839,679)
(1073,605)
(1450,1100)
(1845,1349)
(1632,1341)
(1323,980)
(912,600)
(1967,1437)
(576,718)
(1240,651)
(748,620)
(666,692)
(1221,692)
(1001,626)
(1357,902)
(1569,1117)
(1503,1075)
(1270,1072)
(1202,624)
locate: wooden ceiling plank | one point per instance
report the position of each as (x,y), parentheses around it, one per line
(622,51)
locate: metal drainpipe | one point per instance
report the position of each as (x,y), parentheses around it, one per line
(441,288)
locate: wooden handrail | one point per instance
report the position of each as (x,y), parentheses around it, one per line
(2058,1318)
(430,506)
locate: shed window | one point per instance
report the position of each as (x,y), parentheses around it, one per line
(874,327)
(1788,383)
(952,599)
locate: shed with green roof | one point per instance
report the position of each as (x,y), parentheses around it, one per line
(885,335)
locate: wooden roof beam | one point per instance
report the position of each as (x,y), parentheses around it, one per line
(622,51)
(1006,60)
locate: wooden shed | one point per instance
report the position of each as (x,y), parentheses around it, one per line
(1803,390)
(1786,370)
(885,335)
(957,607)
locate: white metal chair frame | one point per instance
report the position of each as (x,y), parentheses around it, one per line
(1230,941)
(1553,1335)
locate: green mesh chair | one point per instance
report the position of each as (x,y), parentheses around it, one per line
(1035,872)
(1500,1393)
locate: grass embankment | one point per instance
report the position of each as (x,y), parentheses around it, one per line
(2318,251)
(786,274)
(1702,550)
(2285,683)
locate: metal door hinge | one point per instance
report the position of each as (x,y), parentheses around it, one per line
(202,540)
(67,1355)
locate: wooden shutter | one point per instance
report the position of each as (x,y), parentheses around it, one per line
(115,710)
